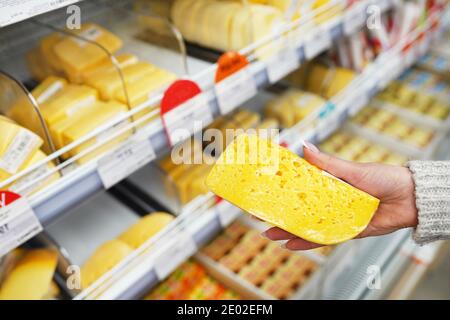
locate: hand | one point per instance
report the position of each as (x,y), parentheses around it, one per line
(393,185)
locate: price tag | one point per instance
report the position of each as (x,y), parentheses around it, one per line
(282,64)
(316,42)
(177,250)
(180,121)
(121,163)
(12,11)
(18,222)
(235,90)
(354,18)
(226,213)
(184,110)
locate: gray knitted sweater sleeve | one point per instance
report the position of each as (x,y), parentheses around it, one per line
(432,187)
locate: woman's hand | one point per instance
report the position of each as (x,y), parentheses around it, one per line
(393,185)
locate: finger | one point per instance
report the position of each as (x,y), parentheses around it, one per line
(276,233)
(346,170)
(301,244)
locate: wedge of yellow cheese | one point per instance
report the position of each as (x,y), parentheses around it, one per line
(145,228)
(31,277)
(281,188)
(102,260)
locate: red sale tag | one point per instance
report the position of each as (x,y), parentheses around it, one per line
(184,110)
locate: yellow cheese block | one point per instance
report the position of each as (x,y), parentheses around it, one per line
(98,115)
(46,45)
(108,83)
(77,55)
(6,119)
(341,78)
(67,102)
(145,228)
(17,146)
(102,260)
(109,67)
(279,187)
(31,277)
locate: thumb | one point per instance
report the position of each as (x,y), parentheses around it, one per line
(348,171)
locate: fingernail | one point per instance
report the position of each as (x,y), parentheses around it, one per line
(283,246)
(310,147)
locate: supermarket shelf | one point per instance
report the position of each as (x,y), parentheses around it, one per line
(84,182)
(15,11)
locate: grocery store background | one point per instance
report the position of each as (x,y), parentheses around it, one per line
(94,96)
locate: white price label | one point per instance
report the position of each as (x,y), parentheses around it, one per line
(189,117)
(18,151)
(354,18)
(18,223)
(282,64)
(235,90)
(127,159)
(12,11)
(317,42)
(226,213)
(177,250)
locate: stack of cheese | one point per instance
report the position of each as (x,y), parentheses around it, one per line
(353,148)
(293,106)
(224,25)
(28,275)
(327,81)
(19,149)
(112,252)
(387,123)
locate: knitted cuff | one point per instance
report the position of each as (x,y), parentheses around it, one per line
(432,188)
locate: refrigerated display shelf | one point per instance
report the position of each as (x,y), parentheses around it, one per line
(84,182)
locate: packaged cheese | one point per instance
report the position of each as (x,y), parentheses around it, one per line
(97,115)
(145,228)
(17,147)
(102,260)
(31,277)
(77,55)
(279,187)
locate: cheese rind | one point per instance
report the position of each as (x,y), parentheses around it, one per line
(283,189)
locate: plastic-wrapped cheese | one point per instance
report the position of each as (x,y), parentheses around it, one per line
(108,67)
(77,55)
(97,115)
(102,260)
(31,277)
(145,228)
(17,146)
(281,188)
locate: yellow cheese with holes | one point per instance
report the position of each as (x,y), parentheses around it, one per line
(145,228)
(98,115)
(31,277)
(102,260)
(281,188)
(77,55)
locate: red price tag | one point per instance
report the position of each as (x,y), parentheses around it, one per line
(184,110)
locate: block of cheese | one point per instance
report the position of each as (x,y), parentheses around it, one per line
(108,82)
(46,45)
(102,260)
(77,55)
(25,186)
(31,277)
(281,188)
(68,101)
(97,115)
(145,228)
(17,146)
(109,67)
